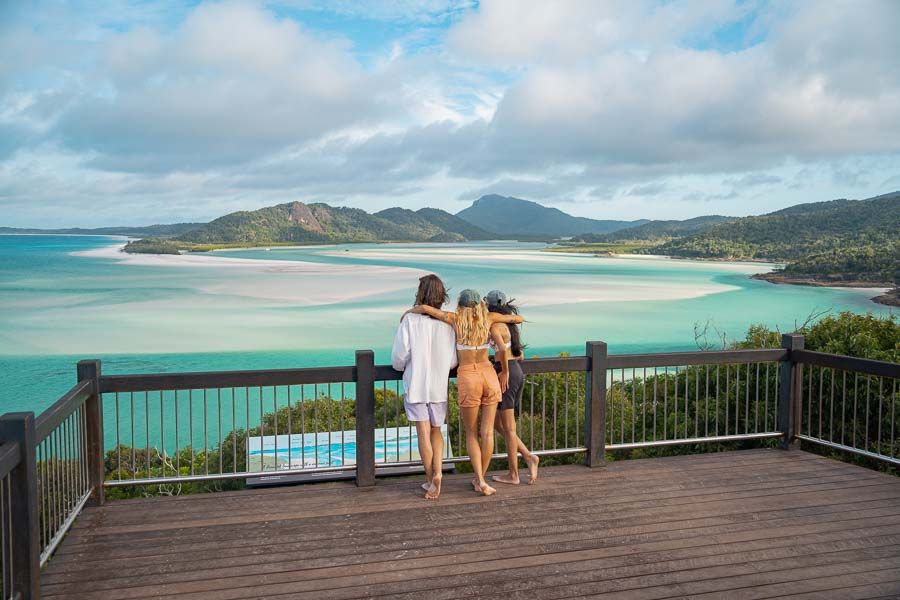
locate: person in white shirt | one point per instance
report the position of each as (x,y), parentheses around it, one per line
(425,350)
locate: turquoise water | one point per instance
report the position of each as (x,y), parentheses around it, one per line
(65,298)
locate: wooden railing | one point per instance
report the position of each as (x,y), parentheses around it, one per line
(161,429)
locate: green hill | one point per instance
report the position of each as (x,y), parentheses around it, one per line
(453,224)
(511,217)
(296,223)
(799,232)
(656,230)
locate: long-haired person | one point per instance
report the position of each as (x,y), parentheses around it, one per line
(508,352)
(476,381)
(424,349)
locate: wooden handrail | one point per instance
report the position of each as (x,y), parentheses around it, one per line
(51,418)
(848,363)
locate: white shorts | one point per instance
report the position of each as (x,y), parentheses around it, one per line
(434,412)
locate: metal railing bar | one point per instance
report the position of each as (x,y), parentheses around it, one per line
(61,531)
(851,449)
(223,476)
(51,418)
(703,440)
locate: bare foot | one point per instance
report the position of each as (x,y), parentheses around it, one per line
(511,480)
(533,468)
(434,490)
(483,489)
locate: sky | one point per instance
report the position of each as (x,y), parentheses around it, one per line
(120,112)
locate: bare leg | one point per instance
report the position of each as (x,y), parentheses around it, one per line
(423,433)
(488,415)
(470,421)
(507,418)
(437,463)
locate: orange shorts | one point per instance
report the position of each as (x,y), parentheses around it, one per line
(477,385)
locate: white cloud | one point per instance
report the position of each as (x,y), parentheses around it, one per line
(610,106)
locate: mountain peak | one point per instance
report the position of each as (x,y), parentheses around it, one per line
(506,215)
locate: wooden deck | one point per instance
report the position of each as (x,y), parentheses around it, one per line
(752,524)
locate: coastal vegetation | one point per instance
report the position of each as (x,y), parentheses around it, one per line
(553,408)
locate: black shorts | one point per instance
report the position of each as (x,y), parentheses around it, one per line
(513,393)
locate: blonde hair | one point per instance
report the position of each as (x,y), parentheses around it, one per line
(473,324)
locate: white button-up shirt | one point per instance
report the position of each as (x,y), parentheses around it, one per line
(425,350)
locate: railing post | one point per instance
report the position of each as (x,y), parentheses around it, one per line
(365,418)
(26,541)
(93,411)
(595,405)
(790,381)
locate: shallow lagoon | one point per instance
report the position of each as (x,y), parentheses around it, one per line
(65,298)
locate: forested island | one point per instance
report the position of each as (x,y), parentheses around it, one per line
(842,243)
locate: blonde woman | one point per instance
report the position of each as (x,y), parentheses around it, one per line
(476,381)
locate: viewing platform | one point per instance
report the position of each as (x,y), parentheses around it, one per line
(749,524)
(664,475)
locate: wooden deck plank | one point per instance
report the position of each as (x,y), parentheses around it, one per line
(697,523)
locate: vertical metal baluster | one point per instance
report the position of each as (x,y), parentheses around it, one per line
(343,444)
(578,406)
(162,431)
(303,424)
(397,403)
(766,409)
(666,403)
(868,388)
(544,411)
(177,450)
(717,400)
(330,461)
(687,398)
(219,429)
(843,405)
(893,417)
(675,411)
(831,409)
(247,436)
(67,465)
(855,396)
(275,421)
(566,410)
(809,415)
(384,426)
(147,427)
(706,403)
(727,394)
(531,415)
(821,397)
(611,408)
(756,403)
(555,402)
(655,405)
(290,433)
(880,396)
(737,398)
(133,457)
(644,406)
(262,431)
(633,407)
(234,430)
(190,426)
(205,433)
(747,402)
(118,443)
(57,491)
(697,400)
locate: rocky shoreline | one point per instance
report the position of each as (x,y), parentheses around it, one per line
(889,298)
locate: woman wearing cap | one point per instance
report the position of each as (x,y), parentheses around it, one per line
(476,381)
(507,344)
